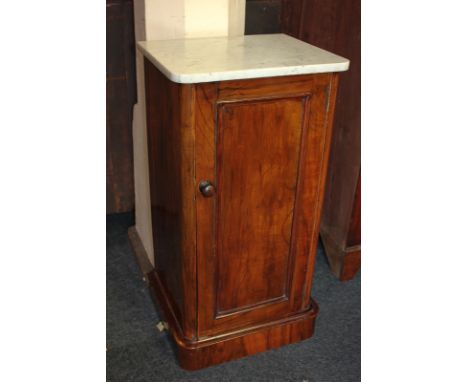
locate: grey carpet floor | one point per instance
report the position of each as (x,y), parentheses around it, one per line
(137,351)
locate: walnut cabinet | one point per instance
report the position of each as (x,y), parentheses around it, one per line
(237,175)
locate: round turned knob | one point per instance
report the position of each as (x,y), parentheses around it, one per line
(206,188)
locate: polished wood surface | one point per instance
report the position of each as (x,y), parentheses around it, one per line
(335,25)
(210,351)
(309,99)
(172,178)
(237,174)
(257,173)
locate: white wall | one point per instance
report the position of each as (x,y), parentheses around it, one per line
(162,20)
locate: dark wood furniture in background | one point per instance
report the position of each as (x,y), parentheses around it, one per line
(335,25)
(262,16)
(121,96)
(237,176)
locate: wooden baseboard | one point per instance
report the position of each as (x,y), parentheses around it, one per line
(344,263)
(229,347)
(209,351)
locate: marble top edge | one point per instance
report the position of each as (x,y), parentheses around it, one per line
(212,59)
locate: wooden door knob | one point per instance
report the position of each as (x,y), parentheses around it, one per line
(206,188)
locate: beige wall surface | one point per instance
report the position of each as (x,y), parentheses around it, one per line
(163,20)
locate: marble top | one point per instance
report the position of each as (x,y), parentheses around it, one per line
(232,58)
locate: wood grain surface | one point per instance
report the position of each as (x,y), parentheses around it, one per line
(170,151)
(258,161)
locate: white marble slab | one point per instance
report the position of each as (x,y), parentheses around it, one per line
(231,58)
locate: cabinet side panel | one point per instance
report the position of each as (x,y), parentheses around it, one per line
(315,173)
(170,154)
(257,166)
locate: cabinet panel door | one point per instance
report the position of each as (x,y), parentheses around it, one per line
(254,235)
(256,166)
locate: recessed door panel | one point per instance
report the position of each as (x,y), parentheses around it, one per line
(258,146)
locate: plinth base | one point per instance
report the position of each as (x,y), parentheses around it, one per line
(230,346)
(209,351)
(194,355)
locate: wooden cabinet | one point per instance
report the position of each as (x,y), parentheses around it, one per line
(237,175)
